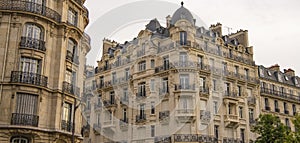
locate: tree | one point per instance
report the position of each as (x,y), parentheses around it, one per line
(294,137)
(271,130)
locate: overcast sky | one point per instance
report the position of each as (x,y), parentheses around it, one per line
(273,25)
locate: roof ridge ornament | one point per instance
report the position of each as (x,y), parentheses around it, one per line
(182,3)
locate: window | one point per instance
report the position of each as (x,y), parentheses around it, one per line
(142,66)
(152,130)
(127,74)
(152,85)
(182,57)
(112,97)
(202,83)
(124,114)
(101,81)
(251,115)
(243,135)
(98,119)
(294,109)
(33,31)
(241,112)
(72,17)
(276,106)
(72,49)
(212,63)
(152,63)
(229,109)
(287,122)
(114,77)
(70,77)
(67,112)
(214,85)
(30,65)
(19,140)
(183,38)
(88,103)
(227,89)
(267,107)
(152,107)
(184,81)
(224,67)
(142,110)
(246,73)
(125,94)
(216,130)
(285,107)
(200,61)
(26,110)
(215,106)
(142,89)
(236,70)
(165,86)
(166,63)
(261,72)
(230,53)
(239,90)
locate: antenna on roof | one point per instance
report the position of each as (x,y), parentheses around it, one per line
(182,3)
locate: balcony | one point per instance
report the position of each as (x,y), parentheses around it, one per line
(66,125)
(141,118)
(123,123)
(232,140)
(279,94)
(109,125)
(185,115)
(252,101)
(24,119)
(165,115)
(28,78)
(97,128)
(162,68)
(124,101)
(71,89)
(72,57)
(110,103)
(162,139)
(231,120)
(205,116)
(31,43)
(207,139)
(98,106)
(204,91)
(184,43)
(286,112)
(31,7)
(179,87)
(141,95)
(164,92)
(267,108)
(186,138)
(230,96)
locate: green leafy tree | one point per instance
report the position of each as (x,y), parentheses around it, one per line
(271,130)
(294,137)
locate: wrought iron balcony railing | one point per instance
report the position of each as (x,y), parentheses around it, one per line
(71,89)
(24,119)
(31,43)
(205,116)
(279,94)
(66,125)
(28,78)
(164,115)
(31,7)
(140,118)
(110,103)
(163,139)
(184,87)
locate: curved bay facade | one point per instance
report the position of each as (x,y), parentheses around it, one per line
(43,49)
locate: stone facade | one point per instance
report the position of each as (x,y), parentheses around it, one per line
(42,59)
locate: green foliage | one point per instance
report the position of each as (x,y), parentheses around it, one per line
(294,137)
(271,130)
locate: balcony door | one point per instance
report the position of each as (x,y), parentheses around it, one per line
(30,65)
(36,6)
(184,81)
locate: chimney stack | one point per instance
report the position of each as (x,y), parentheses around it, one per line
(289,71)
(275,67)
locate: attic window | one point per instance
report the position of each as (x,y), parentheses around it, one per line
(296,81)
(269,73)
(286,78)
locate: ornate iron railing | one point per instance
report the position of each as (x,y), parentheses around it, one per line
(26,6)
(71,89)
(72,57)
(164,115)
(140,118)
(28,78)
(24,119)
(66,125)
(28,42)
(184,87)
(279,94)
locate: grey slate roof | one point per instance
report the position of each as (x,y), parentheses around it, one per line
(182,13)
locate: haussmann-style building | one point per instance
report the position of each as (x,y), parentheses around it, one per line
(42,61)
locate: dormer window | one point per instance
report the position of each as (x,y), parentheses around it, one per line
(279,77)
(269,73)
(183,38)
(286,78)
(261,72)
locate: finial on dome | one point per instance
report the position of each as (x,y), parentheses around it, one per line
(182,3)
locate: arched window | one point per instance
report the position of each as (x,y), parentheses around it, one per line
(19,140)
(33,31)
(72,46)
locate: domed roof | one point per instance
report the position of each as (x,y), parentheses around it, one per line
(182,13)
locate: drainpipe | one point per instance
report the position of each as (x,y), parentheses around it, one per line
(5,57)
